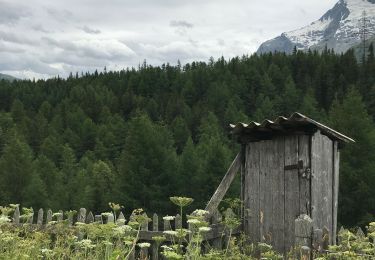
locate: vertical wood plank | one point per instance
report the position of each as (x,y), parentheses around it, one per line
(322,181)
(304,181)
(316,180)
(328,162)
(266,155)
(335,195)
(291,190)
(251,192)
(278,194)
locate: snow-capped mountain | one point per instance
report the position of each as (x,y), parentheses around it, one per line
(338,29)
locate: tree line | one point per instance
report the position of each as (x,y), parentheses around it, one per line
(140,135)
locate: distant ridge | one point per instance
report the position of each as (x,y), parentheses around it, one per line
(337,29)
(7,77)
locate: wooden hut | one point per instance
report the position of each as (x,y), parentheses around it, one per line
(289,168)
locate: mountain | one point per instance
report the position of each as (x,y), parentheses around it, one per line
(7,77)
(337,29)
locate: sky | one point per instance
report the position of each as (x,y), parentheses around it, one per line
(46,38)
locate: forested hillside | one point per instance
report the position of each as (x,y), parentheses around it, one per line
(138,136)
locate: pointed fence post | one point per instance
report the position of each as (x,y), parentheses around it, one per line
(39,221)
(49,216)
(120,219)
(302,230)
(16,216)
(31,219)
(60,217)
(90,218)
(144,226)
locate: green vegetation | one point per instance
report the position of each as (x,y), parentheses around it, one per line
(121,239)
(139,136)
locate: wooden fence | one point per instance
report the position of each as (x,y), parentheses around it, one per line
(217,237)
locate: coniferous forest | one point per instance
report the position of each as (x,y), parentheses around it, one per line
(138,136)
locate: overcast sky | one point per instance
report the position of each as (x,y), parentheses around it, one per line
(44,38)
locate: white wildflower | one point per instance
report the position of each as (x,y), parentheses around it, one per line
(167,248)
(144,245)
(169,218)
(200,212)
(204,229)
(170,232)
(193,221)
(4,219)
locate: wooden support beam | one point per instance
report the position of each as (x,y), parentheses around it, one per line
(224,185)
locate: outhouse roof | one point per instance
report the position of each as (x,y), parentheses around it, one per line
(296,122)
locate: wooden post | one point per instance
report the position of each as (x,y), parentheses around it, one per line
(16,216)
(224,185)
(303,231)
(39,221)
(217,242)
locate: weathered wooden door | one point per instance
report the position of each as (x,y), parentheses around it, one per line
(276,188)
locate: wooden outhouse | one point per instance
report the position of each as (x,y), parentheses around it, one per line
(289,167)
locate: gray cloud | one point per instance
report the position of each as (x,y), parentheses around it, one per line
(180,23)
(11,13)
(89,30)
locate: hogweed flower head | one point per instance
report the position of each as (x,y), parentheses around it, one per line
(181,201)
